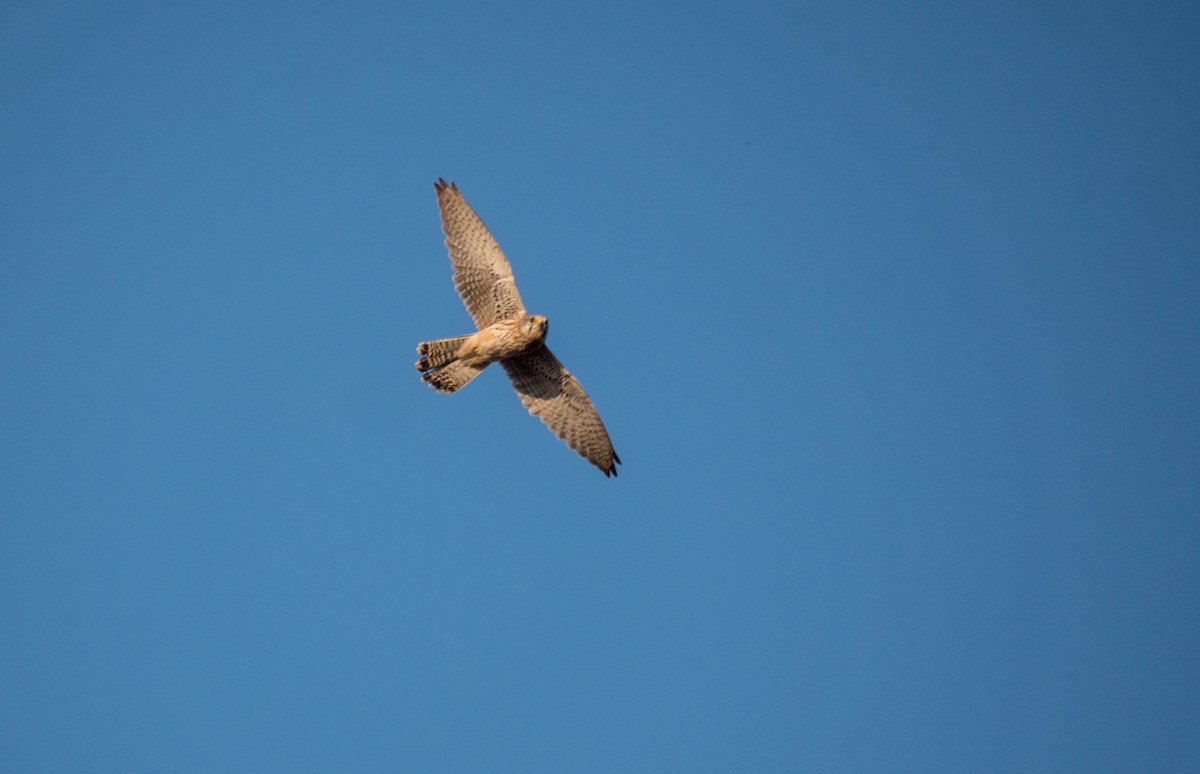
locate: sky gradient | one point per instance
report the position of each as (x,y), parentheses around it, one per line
(892,313)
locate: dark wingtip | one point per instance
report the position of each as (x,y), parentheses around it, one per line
(612,466)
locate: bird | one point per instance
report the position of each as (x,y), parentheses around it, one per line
(509,335)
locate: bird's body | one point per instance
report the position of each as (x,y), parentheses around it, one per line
(500,341)
(509,335)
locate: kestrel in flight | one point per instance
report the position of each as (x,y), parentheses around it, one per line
(509,335)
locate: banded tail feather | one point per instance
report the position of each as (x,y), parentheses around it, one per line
(440,367)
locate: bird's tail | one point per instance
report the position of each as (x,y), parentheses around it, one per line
(440,367)
(438,353)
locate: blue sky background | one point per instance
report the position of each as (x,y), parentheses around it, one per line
(892,311)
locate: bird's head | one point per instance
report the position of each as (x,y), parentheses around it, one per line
(536,326)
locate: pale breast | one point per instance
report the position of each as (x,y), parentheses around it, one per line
(495,342)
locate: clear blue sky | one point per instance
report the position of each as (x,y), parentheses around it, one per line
(892,311)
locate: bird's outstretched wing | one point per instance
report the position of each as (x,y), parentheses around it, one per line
(481,272)
(556,397)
